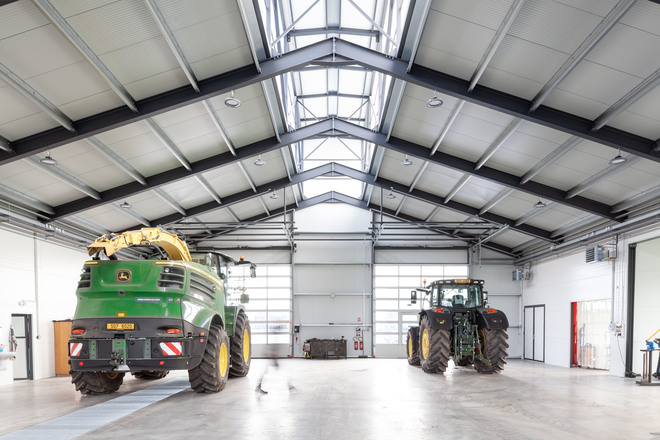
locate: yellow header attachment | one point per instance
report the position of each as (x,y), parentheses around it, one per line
(111,243)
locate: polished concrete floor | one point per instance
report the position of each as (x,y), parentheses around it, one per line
(344,399)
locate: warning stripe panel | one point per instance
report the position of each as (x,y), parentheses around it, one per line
(75,348)
(171,348)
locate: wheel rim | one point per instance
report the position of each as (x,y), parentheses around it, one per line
(246,345)
(425,343)
(482,342)
(112,375)
(223,360)
(410,347)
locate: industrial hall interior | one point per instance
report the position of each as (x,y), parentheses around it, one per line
(329,219)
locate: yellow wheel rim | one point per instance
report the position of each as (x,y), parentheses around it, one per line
(246,345)
(410,348)
(223,360)
(425,344)
(112,375)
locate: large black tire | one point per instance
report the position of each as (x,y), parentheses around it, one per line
(433,347)
(96,382)
(150,375)
(494,348)
(412,346)
(210,376)
(241,347)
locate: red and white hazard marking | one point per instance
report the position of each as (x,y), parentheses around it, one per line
(171,348)
(75,348)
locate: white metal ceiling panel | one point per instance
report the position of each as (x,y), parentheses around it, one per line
(227,180)
(187,192)
(476,192)
(20,118)
(642,117)
(438,180)
(253,208)
(416,208)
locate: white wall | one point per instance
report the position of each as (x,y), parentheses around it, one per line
(48,293)
(556,283)
(647,300)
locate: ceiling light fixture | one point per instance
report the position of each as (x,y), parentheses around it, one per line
(539,204)
(125,205)
(406,161)
(232,102)
(618,158)
(259,162)
(434,102)
(274,196)
(48,159)
(391,194)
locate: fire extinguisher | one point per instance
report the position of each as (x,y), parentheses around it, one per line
(356,344)
(357,339)
(361,344)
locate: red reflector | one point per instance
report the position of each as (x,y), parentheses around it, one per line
(78,331)
(162,362)
(201,339)
(173,331)
(491,311)
(439,310)
(80,363)
(202,334)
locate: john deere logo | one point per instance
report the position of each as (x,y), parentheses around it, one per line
(123,276)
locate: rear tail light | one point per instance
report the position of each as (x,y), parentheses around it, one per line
(491,311)
(77,331)
(173,331)
(439,310)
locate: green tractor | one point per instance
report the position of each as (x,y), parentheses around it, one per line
(458,324)
(167,311)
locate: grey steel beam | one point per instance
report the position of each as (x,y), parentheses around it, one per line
(114,157)
(501,139)
(247,176)
(496,41)
(641,90)
(66,178)
(169,144)
(35,97)
(592,180)
(170,201)
(495,200)
(54,16)
(291,61)
(333,30)
(172,43)
(209,189)
(445,129)
(534,212)
(460,184)
(213,114)
(550,158)
(23,199)
(582,51)
(5,145)
(131,213)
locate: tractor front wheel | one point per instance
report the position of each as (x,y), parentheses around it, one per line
(92,382)
(434,347)
(211,374)
(412,346)
(494,347)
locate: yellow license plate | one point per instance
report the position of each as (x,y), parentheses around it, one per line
(120,326)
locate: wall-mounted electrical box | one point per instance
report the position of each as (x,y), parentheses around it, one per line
(521,274)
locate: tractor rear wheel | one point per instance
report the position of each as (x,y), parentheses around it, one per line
(92,382)
(150,375)
(433,347)
(412,346)
(211,374)
(494,347)
(241,348)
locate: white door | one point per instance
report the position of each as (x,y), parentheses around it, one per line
(20,325)
(535,333)
(406,320)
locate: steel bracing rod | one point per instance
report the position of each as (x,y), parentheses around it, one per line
(291,61)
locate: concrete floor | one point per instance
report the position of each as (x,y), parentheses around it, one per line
(345,399)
